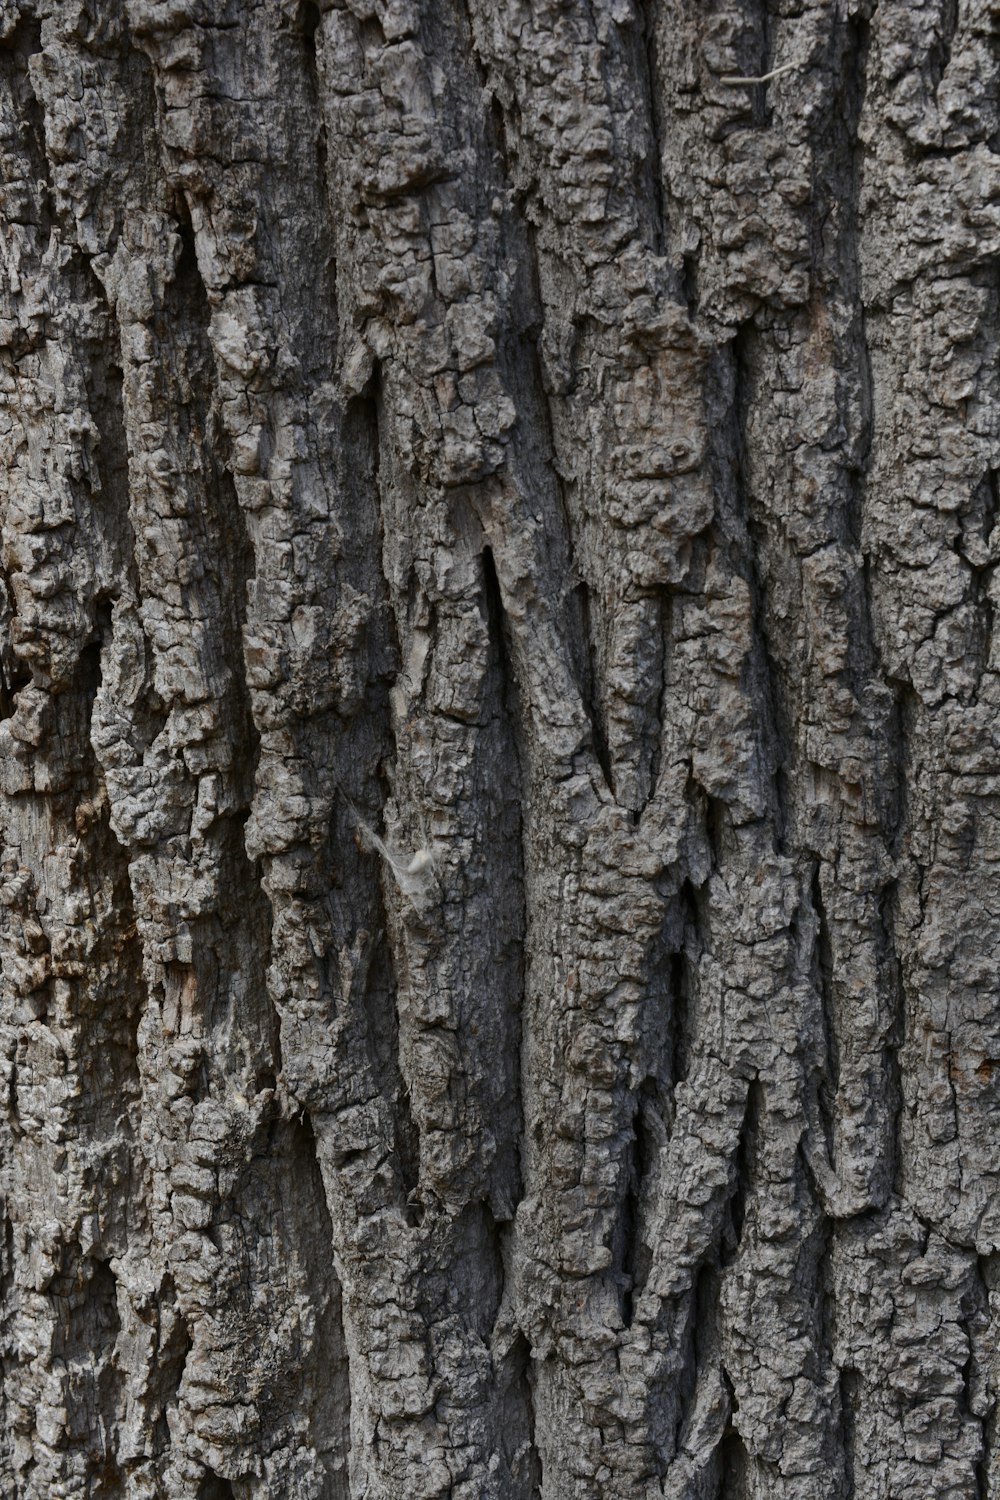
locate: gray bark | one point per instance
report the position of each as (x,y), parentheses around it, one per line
(499,755)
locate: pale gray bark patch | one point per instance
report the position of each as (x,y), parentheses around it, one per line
(498,763)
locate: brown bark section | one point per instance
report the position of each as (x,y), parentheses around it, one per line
(498,749)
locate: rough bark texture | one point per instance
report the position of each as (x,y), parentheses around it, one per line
(500,749)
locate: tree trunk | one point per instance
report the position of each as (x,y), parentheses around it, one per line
(499,749)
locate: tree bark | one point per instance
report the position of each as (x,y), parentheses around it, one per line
(499,749)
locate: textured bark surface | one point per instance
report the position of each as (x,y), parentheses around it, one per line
(499,749)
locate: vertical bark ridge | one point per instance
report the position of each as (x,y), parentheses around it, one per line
(448,712)
(216,953)
(595,271)
(208,1030)
(948,612)
(72,986)
(937,697)
(274,409)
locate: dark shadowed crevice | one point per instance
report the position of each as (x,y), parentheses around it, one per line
(823,980)
(225,538)
(498,134)
(818,1266)
(765,14)
(308,25)
(363,440)
(971,546)
(529,378)
(939,51)
(521,1459)
(986,1464)
(173,1345)
(245,930)
(90,670)
(102,1297)
(733,1475)
(850,1398)
(214,1487)
(508,691)
(906,738)
(104,1303)
(14,673)
(744,1173)
(837,184)
(632,1255)
(838,157)
(508,751)
(323,1397)
(651,755)
(815,1149)
(477,1267)
(536,1476)
(754,545)
(221,525)
(106,1478)
(370,742)
(755,43)
(492,117)
(680,1017)
(108,1383)
(981,1472)
(488,1261)
(372,1033)
(500,107)
(690,266)
(718,830)
(689,945)
(522,370)
(115,1078)
(981,517)
(236,573)
(106,401)
(108,482)
(590,680)
(732,1463)
(466,22)
(699,1344)
(891,977)
(648,72)
(85,1338)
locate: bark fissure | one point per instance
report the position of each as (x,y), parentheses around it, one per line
(829,1079)
(849,1389)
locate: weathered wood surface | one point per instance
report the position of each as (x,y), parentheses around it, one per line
(500,755)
